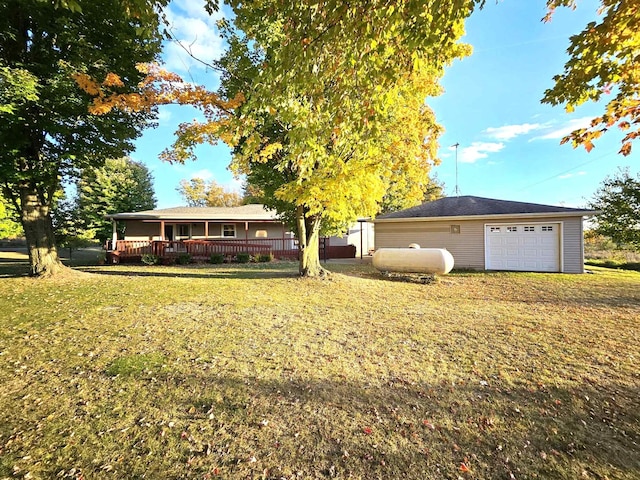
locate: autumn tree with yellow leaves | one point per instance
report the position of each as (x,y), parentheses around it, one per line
(332,115)
(323,102)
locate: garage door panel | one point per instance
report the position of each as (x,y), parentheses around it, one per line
(523,247)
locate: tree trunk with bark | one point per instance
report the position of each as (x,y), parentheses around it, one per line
(38,231)
(308,244)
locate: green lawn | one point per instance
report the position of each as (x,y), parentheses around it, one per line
(250,372)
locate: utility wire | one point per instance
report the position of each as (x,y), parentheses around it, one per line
(568,170)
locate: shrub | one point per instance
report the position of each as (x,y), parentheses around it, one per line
(243,257)
(168,261)
(264,257)
(183,259)
(150,259)
(216,258)
(619,264)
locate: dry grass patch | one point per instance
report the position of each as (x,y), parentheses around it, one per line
(251,372)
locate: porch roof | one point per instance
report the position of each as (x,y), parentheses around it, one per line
(243,213)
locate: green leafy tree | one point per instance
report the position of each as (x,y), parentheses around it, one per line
(397,197)
(46,131)
(9,226)
(618,200)
(197,192)
(603,61)
(120,185)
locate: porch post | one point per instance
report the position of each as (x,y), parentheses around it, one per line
(161,229)
(206,229)
(114,234)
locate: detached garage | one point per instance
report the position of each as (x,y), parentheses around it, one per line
(488,234)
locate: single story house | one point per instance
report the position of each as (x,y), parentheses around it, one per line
(201,231)
(489,234)
(201,223)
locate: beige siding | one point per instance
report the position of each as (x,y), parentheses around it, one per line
(353,237)
(138,230)
(467,247)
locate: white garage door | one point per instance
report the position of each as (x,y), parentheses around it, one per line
(523,247)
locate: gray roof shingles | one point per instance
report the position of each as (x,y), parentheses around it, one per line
(470,205)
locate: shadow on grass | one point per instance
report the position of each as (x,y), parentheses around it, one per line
(13,266)
(409,430)
(249,427)
(189,272)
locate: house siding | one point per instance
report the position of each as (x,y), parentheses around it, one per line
(468,246)
(352,236)
(573,245)
(139,230)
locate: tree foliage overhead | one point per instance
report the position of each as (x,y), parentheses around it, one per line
(197,192)
(334,114)
(120,185)
(46,130)
(604,60)
(618,200)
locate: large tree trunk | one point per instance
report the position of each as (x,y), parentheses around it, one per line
(309,243)
(38,231)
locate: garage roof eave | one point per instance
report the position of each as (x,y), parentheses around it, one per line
(504,216)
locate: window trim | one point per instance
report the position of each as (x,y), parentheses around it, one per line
(235,230)
(182,226)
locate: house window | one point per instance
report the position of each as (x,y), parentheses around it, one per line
(529,229)
(495,230)
(229,230)
(512,229)
(455,229)
(183,230)
(547,228)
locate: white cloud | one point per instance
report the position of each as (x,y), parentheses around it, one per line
(234,185)
(478,150)
(570,175)
(203,174)
(196,32)
(507,132)
(565,129)
(164,115)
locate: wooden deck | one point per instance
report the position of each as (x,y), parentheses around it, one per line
(201,250)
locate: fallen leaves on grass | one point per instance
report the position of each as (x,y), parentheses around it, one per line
(155,379)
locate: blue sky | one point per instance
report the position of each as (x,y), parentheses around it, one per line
(508,141)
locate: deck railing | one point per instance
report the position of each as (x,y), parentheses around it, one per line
(203,249)
(283,248)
